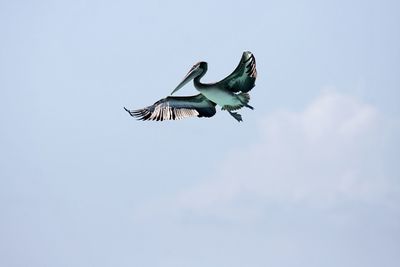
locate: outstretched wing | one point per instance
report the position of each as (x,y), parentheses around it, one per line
(175,108)
(243,78)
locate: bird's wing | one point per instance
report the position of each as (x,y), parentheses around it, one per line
(243,78)
(175,108)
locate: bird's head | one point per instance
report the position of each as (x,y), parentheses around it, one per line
(197,70)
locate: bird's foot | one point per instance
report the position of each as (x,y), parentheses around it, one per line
(237,116)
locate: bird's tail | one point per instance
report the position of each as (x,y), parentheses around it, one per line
(244,99)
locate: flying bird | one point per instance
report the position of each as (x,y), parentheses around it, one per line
(231,94)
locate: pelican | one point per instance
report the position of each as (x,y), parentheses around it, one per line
(230,94)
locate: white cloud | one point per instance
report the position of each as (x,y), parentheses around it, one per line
(319,186)
(330,152)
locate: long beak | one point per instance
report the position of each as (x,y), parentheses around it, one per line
(193,72)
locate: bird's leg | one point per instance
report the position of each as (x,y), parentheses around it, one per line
(248,106)
(245,104)
(236,115)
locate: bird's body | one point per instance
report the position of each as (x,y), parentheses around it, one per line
(230,94)
(221,97)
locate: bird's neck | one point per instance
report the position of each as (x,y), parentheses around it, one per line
(197,82)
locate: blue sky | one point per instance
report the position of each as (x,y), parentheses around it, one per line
(310,178)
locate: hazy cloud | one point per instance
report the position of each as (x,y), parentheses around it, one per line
(330,152)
